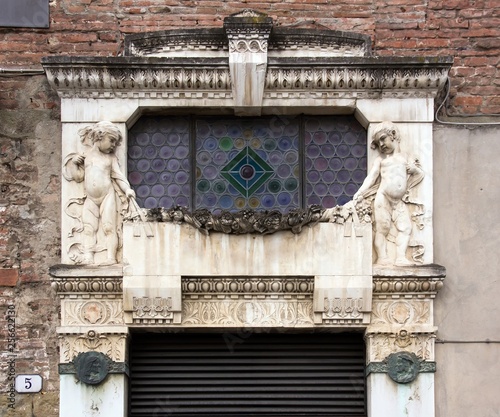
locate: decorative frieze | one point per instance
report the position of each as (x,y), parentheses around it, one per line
(80,80)
(254,313)
(71,281)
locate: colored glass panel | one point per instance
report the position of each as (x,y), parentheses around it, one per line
(159,168)
(335,159)
(249,164)
(243,163)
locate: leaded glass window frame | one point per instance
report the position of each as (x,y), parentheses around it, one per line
(260,163)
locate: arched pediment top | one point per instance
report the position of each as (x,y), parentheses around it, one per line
(247,63)
(215,42)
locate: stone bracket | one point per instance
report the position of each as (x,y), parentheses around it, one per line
(152,299)
(248,34)
(340,300)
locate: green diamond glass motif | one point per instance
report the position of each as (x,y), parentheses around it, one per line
(247,171)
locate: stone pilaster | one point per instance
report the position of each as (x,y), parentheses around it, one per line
(93,341)
(400,341)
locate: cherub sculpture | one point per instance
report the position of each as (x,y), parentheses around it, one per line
(393,174)
(106,189)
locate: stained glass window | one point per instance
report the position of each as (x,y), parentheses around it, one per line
(259,163)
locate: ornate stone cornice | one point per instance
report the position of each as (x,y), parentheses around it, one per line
(155,78)
(408,282)
(72,281)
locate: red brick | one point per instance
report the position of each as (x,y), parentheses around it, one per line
(9,277)
(468,101)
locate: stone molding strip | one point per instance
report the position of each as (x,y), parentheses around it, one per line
(73,281)
(195,287)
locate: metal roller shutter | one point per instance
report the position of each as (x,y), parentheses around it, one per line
(256,374)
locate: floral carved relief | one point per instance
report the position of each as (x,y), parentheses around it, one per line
(114,346)
(383,344)
(401,312)
(91,312)
(248,313)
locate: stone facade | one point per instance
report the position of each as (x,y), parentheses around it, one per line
(402,307)
(174,276)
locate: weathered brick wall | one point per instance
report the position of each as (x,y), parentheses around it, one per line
(30,142)
(466,29)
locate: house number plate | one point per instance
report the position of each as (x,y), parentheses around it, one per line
(28,383)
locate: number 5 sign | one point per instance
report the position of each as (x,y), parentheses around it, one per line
(28,383)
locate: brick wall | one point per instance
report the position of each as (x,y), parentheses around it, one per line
(30,142)
(466,29)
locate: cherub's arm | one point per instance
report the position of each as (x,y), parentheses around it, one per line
(370,179)
(415,172)
(73,167)
(120,179)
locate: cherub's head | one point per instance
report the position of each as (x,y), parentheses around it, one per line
(384,129)
(97,132)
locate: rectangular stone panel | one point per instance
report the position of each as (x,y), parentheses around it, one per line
(182,250)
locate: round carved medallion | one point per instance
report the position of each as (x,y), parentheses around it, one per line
(92,367)
(403,367)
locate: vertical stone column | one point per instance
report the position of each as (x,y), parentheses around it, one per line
(400,342)
(93,341)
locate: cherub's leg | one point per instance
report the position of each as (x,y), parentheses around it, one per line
(382,214)
(109,227)
(402,221)
(90,219)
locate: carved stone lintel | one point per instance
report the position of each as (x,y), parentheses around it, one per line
(333,79)
(241,313)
